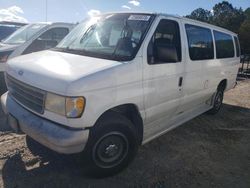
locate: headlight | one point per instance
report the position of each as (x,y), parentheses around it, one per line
(74,107)
(71,107)
(4,56)
(55,103)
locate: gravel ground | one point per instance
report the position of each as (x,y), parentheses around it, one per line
(208,151)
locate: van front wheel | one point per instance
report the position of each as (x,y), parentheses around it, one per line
(112,146)
(218,99)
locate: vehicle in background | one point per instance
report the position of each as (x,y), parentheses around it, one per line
(244,69)
(117,81)
(7,28)
(32,38)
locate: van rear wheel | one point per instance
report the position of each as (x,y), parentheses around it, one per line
(217,103)
(112,145)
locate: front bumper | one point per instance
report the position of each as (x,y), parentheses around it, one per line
(49,134)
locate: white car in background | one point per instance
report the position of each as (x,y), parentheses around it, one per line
(32,38)
(7,28)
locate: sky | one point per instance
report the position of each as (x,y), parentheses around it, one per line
(77,10)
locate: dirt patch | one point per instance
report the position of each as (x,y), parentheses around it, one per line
(208,151)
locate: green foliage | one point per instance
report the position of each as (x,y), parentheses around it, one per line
(244,36)
(247,13)
(201,15)
(225,15)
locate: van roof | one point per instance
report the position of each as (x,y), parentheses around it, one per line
(13,23)
(180,17)
(52,23)
(209,25)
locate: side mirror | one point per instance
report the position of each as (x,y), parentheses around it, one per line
(150,53)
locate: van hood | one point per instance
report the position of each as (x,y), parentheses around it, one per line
(55,71)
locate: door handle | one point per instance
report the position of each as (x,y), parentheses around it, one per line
(180,81)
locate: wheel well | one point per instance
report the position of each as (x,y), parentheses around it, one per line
(131,112)
(222,85)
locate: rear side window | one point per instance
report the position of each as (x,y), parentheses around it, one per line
(236,41)
(224,45)
(200,42)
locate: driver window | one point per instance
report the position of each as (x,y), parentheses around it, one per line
(47,40)
(54,34)
(165,44)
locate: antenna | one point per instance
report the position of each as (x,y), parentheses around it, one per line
(46,10)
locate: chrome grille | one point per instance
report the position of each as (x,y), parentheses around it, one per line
(29,96)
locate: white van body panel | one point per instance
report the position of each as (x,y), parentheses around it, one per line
(161,91)
(55,71)
(166,104)
(74,75)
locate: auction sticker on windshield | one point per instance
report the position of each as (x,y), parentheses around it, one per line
(139,17)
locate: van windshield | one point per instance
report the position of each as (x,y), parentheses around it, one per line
(23,34)
(111,36)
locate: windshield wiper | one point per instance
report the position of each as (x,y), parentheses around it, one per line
(91,28)
(70,50)
(64,49)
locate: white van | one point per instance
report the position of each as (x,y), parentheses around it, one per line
(7,28)
(117,81)
(32,38)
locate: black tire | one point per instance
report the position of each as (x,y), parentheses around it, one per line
(40,150)
(112,145)
(217,102)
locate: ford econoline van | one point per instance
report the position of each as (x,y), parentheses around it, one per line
(117,81)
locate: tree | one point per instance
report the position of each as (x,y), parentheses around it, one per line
(244,36)
(229,17)
(201,15)
(247,13)
(225,15)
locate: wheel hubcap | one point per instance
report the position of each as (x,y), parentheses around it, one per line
(110,150)
(218,101)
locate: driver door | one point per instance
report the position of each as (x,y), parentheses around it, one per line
(162,75)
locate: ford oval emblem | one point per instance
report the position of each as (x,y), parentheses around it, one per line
(20,72)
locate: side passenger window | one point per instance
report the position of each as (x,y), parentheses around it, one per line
(47,40)
(200,42)
(165,44)
(224,45)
